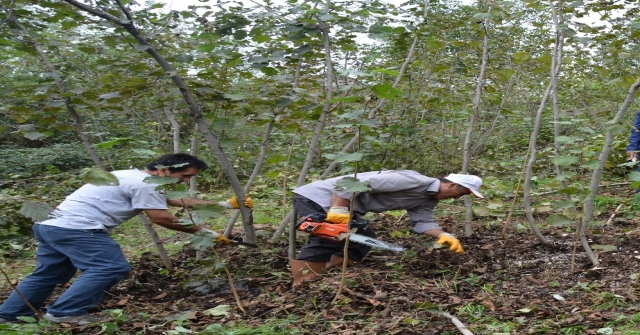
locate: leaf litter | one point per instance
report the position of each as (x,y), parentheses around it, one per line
(497,286)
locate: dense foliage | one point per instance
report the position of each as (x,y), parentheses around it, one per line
(405,76)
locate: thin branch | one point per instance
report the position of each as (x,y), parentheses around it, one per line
(15,289)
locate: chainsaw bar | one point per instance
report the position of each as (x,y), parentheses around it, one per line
(372,242)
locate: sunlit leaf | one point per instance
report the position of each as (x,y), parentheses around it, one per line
(98,177)
(604,248)
(345,157)
(481,211)
(384,91)
(221,310)
(494,203)
(160,180)
(351,184)
(558,297)
(34,135)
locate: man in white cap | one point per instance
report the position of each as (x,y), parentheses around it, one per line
(390,190)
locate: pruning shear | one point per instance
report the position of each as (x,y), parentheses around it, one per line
(240,241)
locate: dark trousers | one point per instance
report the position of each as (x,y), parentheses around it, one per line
(319,249)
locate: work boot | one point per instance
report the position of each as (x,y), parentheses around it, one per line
(303,270)
(336,261)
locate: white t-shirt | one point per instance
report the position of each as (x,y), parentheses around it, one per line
(106,207)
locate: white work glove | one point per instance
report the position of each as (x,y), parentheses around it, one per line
(218,237)
(338,214)
(450,241)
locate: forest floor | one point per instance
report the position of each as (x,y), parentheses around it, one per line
(497,286)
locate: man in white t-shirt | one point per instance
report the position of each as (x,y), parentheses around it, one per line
(76,237)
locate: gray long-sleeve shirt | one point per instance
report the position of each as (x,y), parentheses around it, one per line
(390,190)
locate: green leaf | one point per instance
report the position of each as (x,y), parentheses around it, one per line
(207,47)
(34,135)
(562,204)
(294,27)
(109,144)
(269,71)
(351,184)
(202,241)
(481,16)
(378,29)
(518,57)
(160,180)
(558,220)
(98,177)
(435,45)
(634,176)
(36,211)
(142,47)
(180,194)
(303,49)
(235,96)
(184,58)
(283,102)
(345,157)
(592,164)
(565,160)
(384,91)
(565,139)
(387,71)
(108,96)
(481,211)
(273,159)
(494,204)
(617,129)
(604,248)
(221,310)
(208,211)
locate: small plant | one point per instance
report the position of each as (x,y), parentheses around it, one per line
(574,330)
(609,300)
(472,310)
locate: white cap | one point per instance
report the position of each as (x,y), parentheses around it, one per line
(469,181)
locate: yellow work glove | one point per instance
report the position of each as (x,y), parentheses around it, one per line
(248,202)
(219,238)
(450,241)
(338,214)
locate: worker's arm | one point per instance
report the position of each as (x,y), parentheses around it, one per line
(163,218)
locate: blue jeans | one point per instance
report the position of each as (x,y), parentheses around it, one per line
(61,252)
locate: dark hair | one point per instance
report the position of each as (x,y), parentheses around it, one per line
(447,181)
(176,159)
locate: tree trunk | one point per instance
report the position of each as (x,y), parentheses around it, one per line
(597,172)
(477,100)
(194,108)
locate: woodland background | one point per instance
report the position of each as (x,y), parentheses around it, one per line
(535,97)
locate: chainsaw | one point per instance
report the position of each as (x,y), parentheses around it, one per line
(316,225)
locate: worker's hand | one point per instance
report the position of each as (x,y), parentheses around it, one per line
(450,241)
(219,238)
(248,202)
(338,214)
